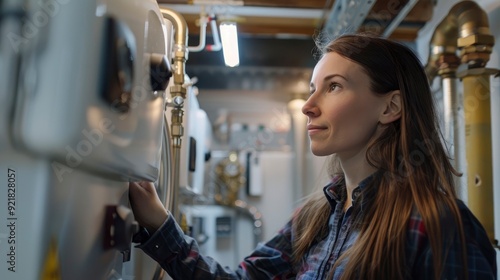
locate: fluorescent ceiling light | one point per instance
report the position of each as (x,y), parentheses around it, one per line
(229,39)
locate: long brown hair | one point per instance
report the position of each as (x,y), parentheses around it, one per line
(415,173)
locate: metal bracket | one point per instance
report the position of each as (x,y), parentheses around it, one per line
(347,15)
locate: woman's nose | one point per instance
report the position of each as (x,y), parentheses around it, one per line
(309,109)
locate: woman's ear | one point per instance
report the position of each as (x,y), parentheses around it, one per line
(392,110)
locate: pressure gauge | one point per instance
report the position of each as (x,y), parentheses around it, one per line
(230,174)
(232,169)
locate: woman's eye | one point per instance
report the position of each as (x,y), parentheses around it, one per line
(333,86)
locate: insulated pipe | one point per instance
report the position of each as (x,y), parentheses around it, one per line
(466,27)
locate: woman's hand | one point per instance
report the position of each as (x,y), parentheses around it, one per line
(146,205)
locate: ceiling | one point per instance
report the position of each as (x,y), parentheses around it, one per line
(278,34)
(307,17)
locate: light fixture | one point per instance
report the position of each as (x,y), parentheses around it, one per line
(229,38)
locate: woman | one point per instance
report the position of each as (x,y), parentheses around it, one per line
(391,210)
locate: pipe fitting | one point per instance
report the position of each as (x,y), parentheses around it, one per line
(181,30)
(180,50)
(475,59)
(180,53)
(177,129)
(178,90)
(475,41)
(443,47)
(447,64)
(465,27)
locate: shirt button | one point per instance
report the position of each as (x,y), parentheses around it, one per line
(344,228)
(157,246)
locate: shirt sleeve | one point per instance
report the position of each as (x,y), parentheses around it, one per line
(481,256)
(179,255)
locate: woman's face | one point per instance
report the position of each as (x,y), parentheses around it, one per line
(343,113)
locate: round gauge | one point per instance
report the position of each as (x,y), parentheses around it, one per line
(232,169)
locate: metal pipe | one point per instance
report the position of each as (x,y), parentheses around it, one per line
(449,100)
(476,43)
(216,46)
(466,28)
(478,149)
(165,181)
(180,51)
(346,17)
(176,148)
(443,59)
(453,132)
(203,32)
(399,18)
(178,94)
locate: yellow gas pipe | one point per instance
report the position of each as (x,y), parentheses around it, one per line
(466,28)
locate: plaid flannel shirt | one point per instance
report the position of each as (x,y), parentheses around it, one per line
(179,254)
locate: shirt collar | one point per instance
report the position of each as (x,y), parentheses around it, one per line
(335,191)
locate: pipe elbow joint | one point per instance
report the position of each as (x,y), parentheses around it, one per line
(473,25)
